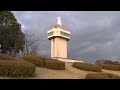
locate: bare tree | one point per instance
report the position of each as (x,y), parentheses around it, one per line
(31,44)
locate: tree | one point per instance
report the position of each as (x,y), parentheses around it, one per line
(31,44)
(12,39)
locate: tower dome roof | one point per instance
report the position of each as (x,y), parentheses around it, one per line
(58,26)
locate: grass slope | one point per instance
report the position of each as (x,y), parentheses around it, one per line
(69,73)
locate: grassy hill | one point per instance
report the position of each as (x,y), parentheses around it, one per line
(69,73)
(36,67)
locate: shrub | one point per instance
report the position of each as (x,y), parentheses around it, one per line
(45,62)
(101,76)
(100,62)
(87,67)
(107,62)
(5,57)
(19,68)
(55,64)
(110,67)
(116,63)
(38,61)
(103,62)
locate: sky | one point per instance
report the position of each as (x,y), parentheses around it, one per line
(94,34)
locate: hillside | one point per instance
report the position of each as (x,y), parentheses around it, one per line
(69,73)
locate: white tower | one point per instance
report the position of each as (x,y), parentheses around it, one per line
(58,35)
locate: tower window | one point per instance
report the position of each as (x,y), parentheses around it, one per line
(65,34)
(51,33)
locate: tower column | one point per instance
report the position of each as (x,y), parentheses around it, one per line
(56,47)
(52,48)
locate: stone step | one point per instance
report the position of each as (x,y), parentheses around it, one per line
(69,60)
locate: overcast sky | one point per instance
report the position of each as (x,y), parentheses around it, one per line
(94,34)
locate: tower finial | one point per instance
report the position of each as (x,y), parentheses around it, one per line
(59,21)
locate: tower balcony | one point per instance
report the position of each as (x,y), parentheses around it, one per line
(58,33)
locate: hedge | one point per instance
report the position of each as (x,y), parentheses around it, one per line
(45,62)
(55,64)
(110,67)
(38,61)
(101,76)
(87,67)
(16,68)
(5,57)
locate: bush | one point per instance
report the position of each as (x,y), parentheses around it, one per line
(101,76)
(87,67)
(19,68)
(55,64)
(45,62)
(5,57)
(110,67)
(38,61)
(116,63)
(108,62)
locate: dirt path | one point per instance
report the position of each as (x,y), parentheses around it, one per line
(69,73)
